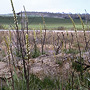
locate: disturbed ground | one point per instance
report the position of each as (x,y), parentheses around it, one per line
(59,65)
(48,64)
(41,66)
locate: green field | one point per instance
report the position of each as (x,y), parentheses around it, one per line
(34,22)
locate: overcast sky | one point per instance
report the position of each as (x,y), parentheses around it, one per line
(73,6)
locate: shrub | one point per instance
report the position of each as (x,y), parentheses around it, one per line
(2,27)
(35,53)
(71,51)
(77,66)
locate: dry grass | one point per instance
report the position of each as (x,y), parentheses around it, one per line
(49,40)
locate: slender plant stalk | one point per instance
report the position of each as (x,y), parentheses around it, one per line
(44,38)
(8,48)
(8,51)
(10,44)
(35,46)
(15,17)
(19,42)
(72,80)
(86,46)
(72,39)
(76,35)
(16,23)
(64,39)
(27,48)
(79,82)
(77,43)
(23,27)
(41,37)
(26,19)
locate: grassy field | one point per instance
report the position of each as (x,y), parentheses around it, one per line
(34,22)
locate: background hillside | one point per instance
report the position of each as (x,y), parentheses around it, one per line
(55,15)
(55,21)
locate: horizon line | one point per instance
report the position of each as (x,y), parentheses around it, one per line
(46,12)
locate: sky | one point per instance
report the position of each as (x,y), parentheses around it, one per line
(66,6)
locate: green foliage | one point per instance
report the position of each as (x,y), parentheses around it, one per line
(88,82)
(37,20)
(20,85)
(60,62)
(34,84)
(48,83)
(18,54)
(2,26)
(4,88)
(35,53)
(71,51)
(77,66)
(52,23)
(76,45)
